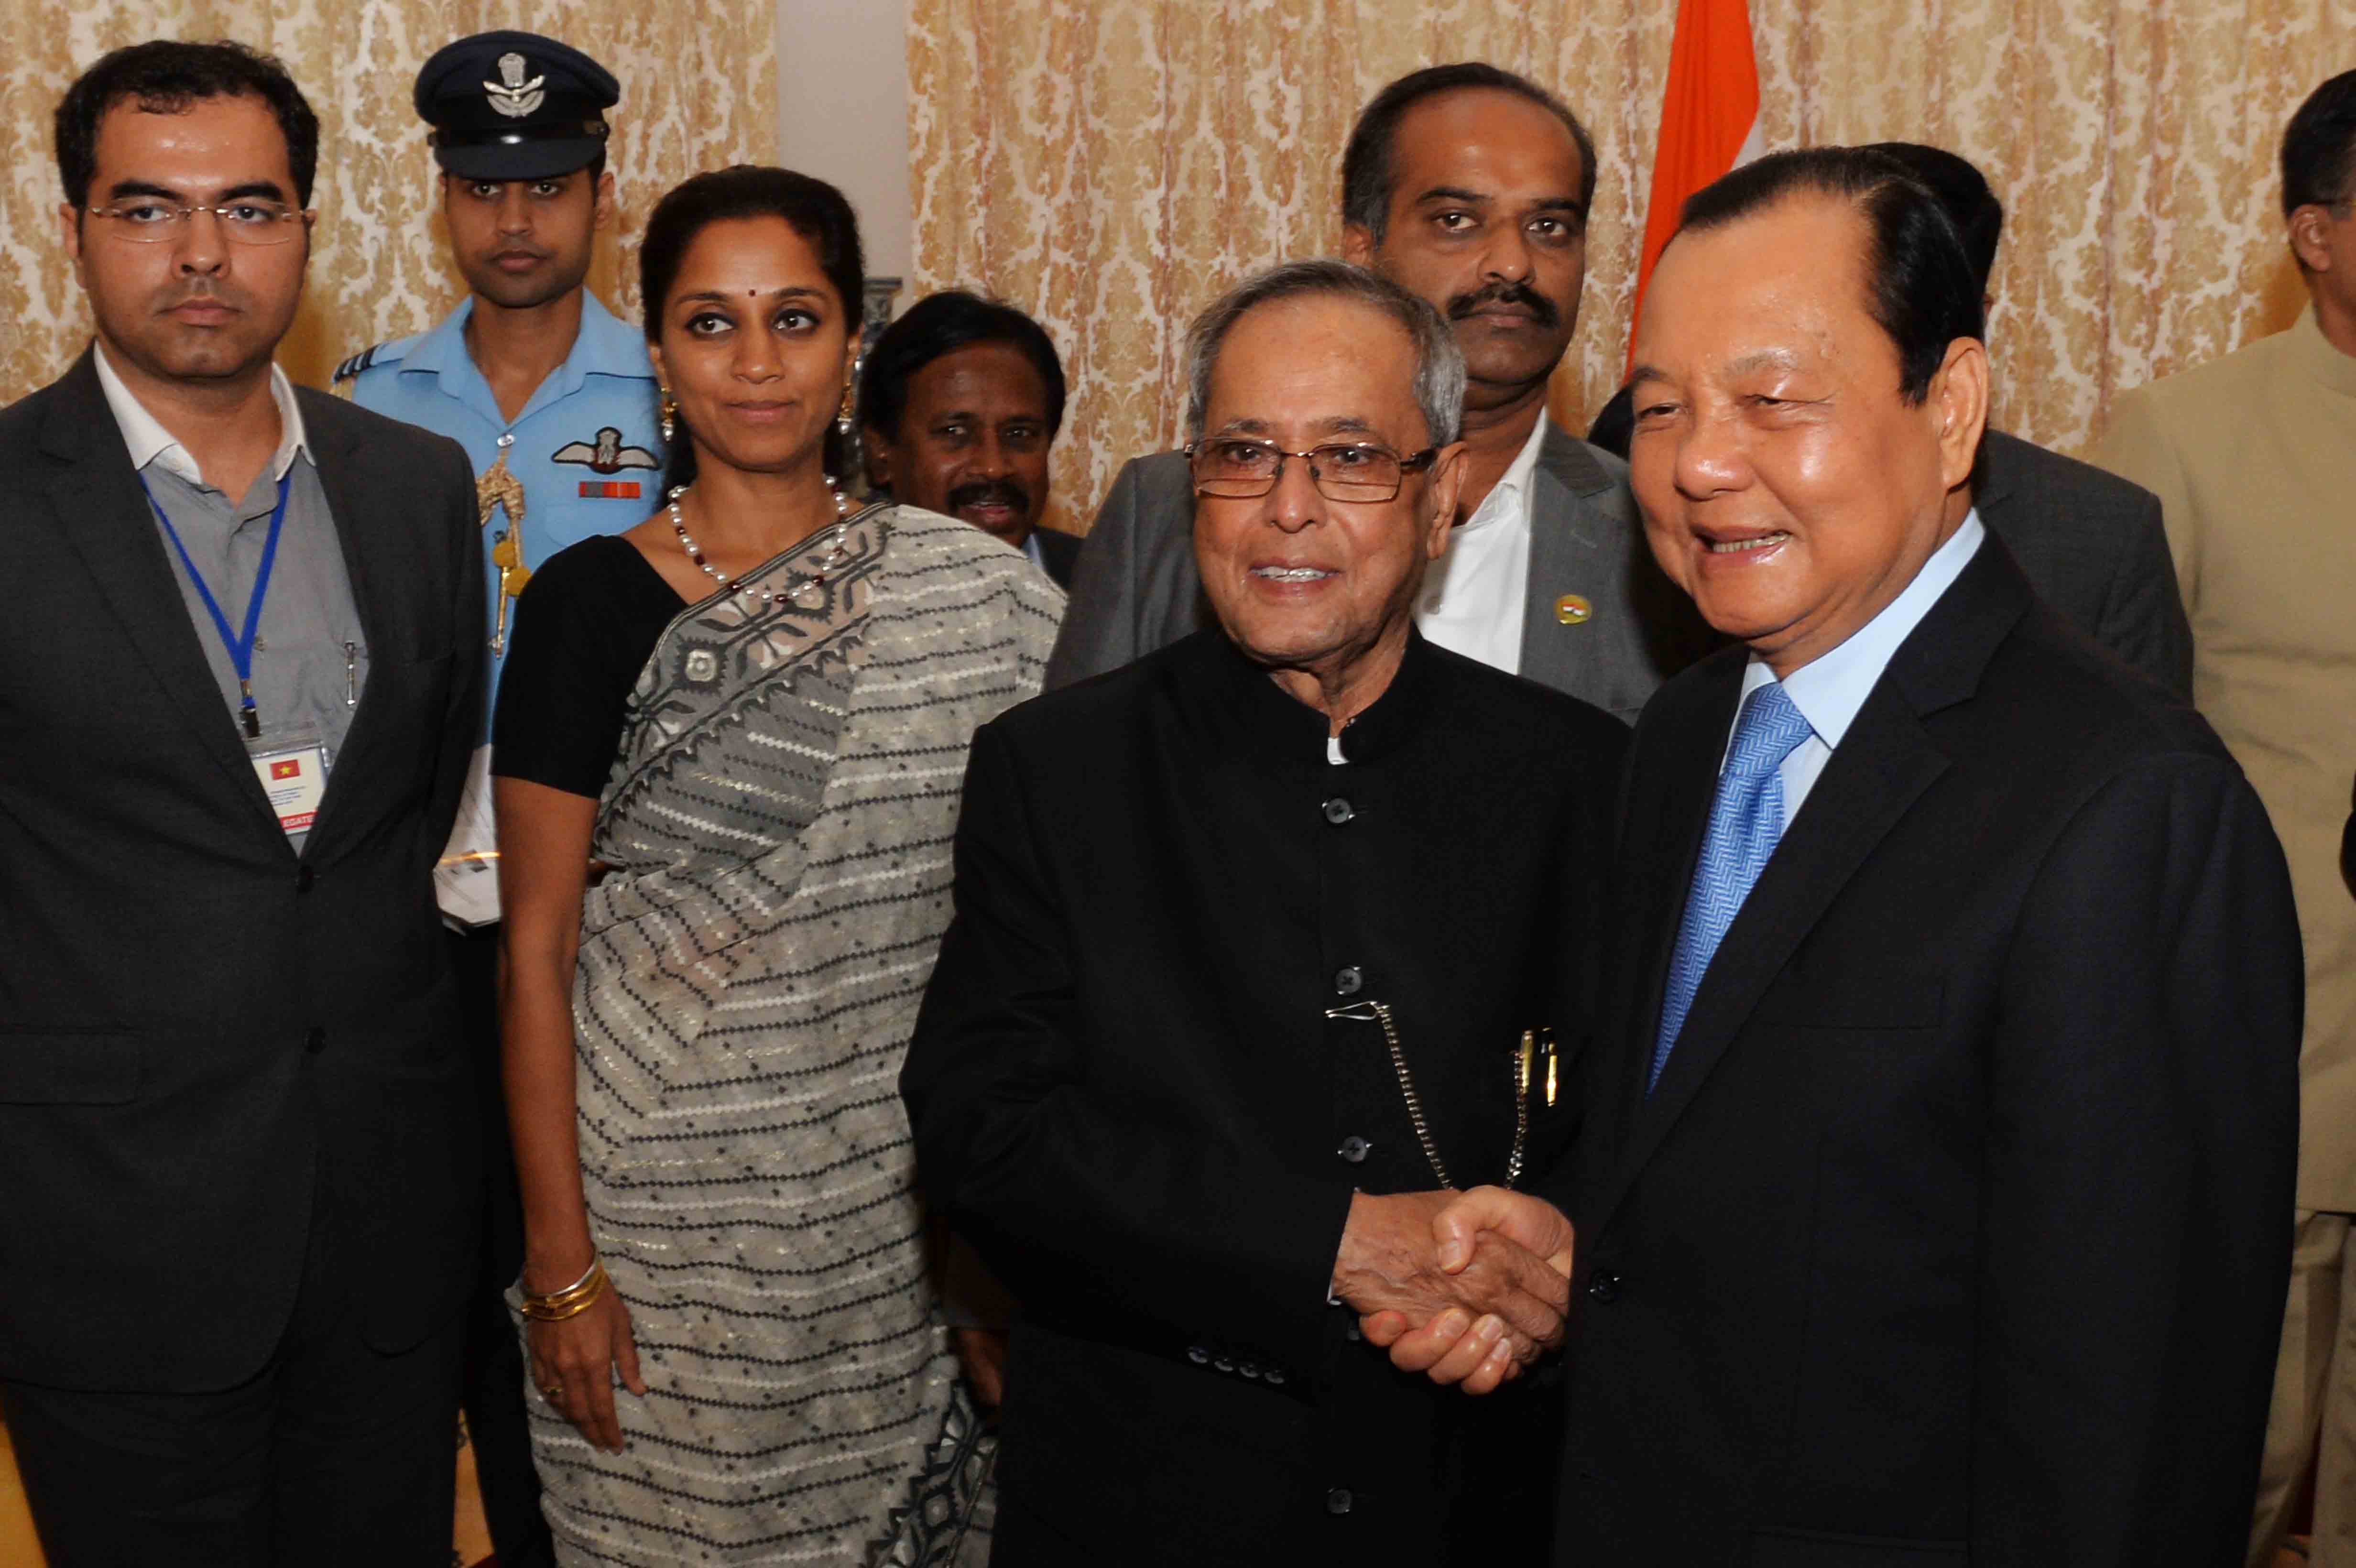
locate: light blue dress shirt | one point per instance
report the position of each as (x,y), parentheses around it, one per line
(587,448)
(1829,689)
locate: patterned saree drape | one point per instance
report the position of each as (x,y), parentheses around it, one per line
(699,90)
(1112,164)
(778,826)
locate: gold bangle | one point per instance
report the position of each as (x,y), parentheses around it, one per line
(587,1276)
(559,1313)
(540,1313)
(575,1298)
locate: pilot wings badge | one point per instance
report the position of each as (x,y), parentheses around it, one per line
(606,454)
(511,95)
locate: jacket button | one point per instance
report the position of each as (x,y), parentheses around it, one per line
(1354,1148)
(1348,982)
(1603,1287)
(1338,1500)
(1337,811)
(303,880)
(1196,1354)
(1222,1364)
(1275,1378)
(315,1042)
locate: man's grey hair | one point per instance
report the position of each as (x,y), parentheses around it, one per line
(1438,362)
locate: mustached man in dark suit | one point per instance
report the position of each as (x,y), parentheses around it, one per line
(239,682)
(1932,1191)
(959,402)
(2090,542)
(1469,187)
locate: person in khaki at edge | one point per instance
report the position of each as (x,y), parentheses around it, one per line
(2253,459)
(240,677)
(1469,187)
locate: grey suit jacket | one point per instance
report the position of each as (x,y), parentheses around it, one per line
(1136,589)
(2093,547)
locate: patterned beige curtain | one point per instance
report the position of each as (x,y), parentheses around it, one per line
(1111,165)
(699,90)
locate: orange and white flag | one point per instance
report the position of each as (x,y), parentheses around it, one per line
(1709,118)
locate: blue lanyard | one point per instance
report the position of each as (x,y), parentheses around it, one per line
(240,649)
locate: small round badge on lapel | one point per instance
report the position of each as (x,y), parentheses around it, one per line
(1572,610)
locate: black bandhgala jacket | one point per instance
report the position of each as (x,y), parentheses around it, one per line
(1128,1094)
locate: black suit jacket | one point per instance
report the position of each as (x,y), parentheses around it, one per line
(1127,1094)
(1059,553)
(2092,544)
(1957,1226)
(199,1031)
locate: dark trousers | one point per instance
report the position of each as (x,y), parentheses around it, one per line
(333,1453)
(493,1390)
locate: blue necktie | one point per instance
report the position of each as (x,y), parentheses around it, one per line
(1746,820)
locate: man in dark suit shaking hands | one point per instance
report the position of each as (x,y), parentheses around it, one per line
(1933,1190)
(239,682)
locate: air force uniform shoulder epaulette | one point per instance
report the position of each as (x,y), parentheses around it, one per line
(391,352)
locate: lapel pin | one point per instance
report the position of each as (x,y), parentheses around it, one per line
(1572,610)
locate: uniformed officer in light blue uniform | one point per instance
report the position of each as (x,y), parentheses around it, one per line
(555,402)
(549,393)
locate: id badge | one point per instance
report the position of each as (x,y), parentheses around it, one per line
(295,778)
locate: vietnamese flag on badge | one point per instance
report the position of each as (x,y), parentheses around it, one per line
(286,768)
(1710,119)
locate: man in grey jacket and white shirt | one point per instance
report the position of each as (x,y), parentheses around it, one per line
(1468,186)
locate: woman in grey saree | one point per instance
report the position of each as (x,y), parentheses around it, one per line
(717,1173)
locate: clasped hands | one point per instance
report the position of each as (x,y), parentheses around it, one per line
(1466,1287)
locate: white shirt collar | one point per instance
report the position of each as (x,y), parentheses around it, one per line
(150,442)
(1829,689)
(1513,487)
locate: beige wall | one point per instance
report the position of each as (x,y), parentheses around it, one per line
(843,112)
(1110,164)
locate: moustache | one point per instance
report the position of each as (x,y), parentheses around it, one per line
(990,492)
(1519,294)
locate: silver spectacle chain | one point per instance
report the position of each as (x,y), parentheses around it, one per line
(1380,1013)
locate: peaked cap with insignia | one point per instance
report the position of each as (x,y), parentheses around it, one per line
(514,106)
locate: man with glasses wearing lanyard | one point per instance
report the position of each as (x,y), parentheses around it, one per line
(237,690)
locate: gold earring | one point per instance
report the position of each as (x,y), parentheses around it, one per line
(842,414)
(669,415)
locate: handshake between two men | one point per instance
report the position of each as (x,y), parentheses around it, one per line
(1467,1288)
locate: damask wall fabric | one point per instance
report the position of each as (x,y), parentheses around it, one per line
(695,96)
(1113,165)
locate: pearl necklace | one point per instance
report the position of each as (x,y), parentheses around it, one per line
(809,594)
